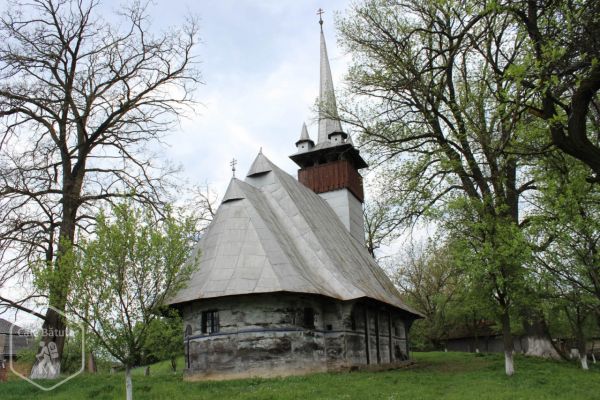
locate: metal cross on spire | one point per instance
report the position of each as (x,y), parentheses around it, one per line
(320,13)
(233,163)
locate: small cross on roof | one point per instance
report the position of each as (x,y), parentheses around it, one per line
(233,163)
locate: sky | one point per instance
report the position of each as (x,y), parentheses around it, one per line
(259,61)
(260,67)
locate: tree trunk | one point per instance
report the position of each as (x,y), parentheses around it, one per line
(91,363)
(537,335)
(128,384)
(583,360)
(582,348)
(509,363)
(508,344)
(47,362)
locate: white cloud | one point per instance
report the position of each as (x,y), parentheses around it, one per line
(255,96)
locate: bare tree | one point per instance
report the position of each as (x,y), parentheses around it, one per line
(381,224)
(81,102)
(202,206)
(431,281)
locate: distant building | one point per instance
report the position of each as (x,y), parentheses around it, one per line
(285,284)
(21,339)
(486,337)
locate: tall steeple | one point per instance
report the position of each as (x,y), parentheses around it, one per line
(328,114)
(330,168)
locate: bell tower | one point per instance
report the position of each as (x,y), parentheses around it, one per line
(331,166)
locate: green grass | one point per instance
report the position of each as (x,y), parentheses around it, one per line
(435,376)
(159,368)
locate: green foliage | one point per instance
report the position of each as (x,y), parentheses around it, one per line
(164,367)
(71,359)
(27,355)
(54,277)
(433,283)
(492,251)
(125,274)
(164,338)
(566,230)
(453,102)
(559,72)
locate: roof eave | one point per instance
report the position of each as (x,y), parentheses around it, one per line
(351,153)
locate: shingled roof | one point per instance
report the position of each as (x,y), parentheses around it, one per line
(5,328)
(21,338)
(272,234)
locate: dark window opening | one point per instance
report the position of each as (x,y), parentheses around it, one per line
(397,330)
(309,318)
(353,321)
(329,327)
(210,322)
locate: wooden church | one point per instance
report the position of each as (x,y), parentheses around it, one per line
(285,284)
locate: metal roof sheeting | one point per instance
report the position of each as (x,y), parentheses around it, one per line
(281,236)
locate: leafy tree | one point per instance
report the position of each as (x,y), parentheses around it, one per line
(431,282)
(566,228)
(164,339)
(72,353)
(428,102)
(123,276)
(560,70)
(81,100)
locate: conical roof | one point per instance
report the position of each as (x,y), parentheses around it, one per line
(260,165)
(281,236)
(304,137)
(328,113)
(233,191)
(349,140)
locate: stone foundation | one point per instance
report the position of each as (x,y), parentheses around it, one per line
(266,335)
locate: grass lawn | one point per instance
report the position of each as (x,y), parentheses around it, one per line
(436,376)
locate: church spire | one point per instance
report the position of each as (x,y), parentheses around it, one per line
(331,167)
(328,122)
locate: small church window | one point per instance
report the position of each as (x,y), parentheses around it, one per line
(210,321)
(188,331)
(309,318)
